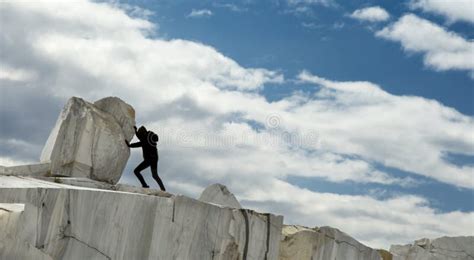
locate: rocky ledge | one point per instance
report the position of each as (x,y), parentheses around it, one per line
(41,219)
(322,243)
(443,248)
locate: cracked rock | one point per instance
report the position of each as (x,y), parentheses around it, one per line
(220,195)
(322,244)
(88,140)
(443,248)
(62,221)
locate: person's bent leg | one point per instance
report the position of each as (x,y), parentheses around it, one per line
(137,171)
(154,173)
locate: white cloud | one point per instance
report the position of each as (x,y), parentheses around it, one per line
(231,7)
(443,50)
(374,222)
(338,25)
(215,125)
(200,13)
(305,7)
(311,25)
(454,10)
(393,130)
(371,14)
(311,2)
(7,161)
(15,74)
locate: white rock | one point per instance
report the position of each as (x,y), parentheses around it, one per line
(40,169)
(399,252)
(322,244)
(121,111)
(140,190)
(220,195)
(86,223)
(79,182)
(88,142)
(88,183)
(17,234)
(443,248)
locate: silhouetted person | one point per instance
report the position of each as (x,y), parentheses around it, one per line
(147,141)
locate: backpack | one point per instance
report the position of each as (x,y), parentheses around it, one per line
(152,138)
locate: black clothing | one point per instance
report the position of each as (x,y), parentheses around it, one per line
(148,141)
(154,172)
(149,151)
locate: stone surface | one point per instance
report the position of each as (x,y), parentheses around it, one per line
(70,222)
(323,243)
(140,190)
(88,183)
(17,234)
(121,111)
(89,142)
(386,255)
(443,248)
(79,182)
(219,194)
(40,169)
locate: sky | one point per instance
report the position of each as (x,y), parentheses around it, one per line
(356,115)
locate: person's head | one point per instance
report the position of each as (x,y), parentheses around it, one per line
(142,133)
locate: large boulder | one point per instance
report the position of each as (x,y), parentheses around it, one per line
(220,195)
(121,111)
(322,243)
(443,248)
(88,140)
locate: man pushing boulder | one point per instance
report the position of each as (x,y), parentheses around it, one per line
(147,141)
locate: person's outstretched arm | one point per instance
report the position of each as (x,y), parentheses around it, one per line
(137,144)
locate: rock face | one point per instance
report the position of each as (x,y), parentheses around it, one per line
(60,221)
(443,248)
(26,170)
(386,255)
(323,243)
(16,234)
(220,195)
(123,113)
(88,140)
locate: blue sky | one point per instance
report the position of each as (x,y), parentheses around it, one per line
(268,34)
(356,115)
(327,41)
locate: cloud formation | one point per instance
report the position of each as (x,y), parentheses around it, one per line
(393,130)
(231,7)
(215,125)
(13,74)
(456,10)
(311,2)
(375,222)
(371,14)
(442,49)
(200,13)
